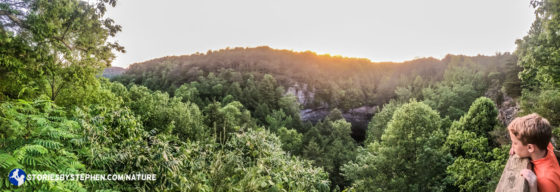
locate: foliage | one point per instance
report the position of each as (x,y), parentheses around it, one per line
(412,90)
(223,121)
(481,117)
(324,80)
(291,140)
(472,174)
(59,45)
(254,161)
(546,103)
(453,96)
(264,97)
(330,145)
(160,113)
(379,121)
(38,138)
(409,156)
(512,84)
(538,51)
(538,56)
(478,161)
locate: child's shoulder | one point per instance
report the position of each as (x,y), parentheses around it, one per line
(549,177)
(548,183)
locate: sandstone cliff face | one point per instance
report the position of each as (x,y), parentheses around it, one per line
(302,93)
(508,110)
(359,117)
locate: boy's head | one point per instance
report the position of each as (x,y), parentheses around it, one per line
(529,133)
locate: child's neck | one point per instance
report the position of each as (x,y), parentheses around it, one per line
(538,154)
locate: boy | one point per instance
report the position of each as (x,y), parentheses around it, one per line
(530,137)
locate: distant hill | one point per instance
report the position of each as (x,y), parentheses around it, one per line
(324,79)
(113,71)
(283,64)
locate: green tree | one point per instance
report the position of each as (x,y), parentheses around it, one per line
(277,119)
(546,103)
(412,91)
(63,44)
(378,123)
(512,84)
(291,140)
(267,90)
(409,156)
(474,174)
(188,92)
(481,117)
(330,145)
(161,113)
(224,120)
(453,96)
(478,164)
(538,50)
(254,161)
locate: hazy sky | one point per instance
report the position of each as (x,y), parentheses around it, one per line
(380,30)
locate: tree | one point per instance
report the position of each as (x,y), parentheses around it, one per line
(291,140)
(409,156)
(267,90)
(453,96)
(512,83)
(480,172)
(546,103)
(538,50)
(481,117)
(277,119)
(188,92)
(66,41)
(224,120)
(478,164)
(378,123)
(330,145)
(160,113)
(412,91)
(254,161)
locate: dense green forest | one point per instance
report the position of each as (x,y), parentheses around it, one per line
(234,119)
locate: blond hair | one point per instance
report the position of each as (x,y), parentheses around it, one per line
(531,129)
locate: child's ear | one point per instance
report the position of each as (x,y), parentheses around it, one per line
(530,148)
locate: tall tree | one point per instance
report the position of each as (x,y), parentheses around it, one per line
(538,51)
(409,156)
(330,145)
(378,123)
(478,160)
(539,54)
(65,42)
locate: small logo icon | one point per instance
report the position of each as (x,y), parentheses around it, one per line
(17,177)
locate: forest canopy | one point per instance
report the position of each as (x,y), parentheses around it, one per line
(238,119)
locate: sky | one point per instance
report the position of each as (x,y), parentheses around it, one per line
(380,30)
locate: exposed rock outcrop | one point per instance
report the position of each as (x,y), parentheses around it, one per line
(508,110)
(302,93)
(359,118)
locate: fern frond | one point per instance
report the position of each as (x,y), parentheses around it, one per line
(48,143)
(30,154)
(40,121)
(7,161)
